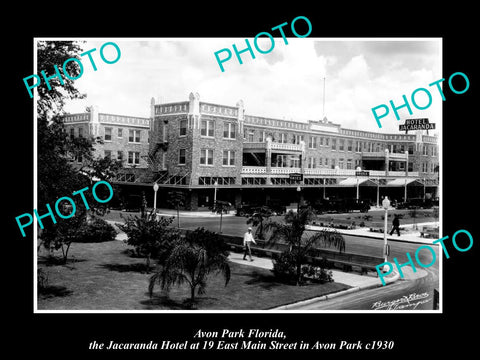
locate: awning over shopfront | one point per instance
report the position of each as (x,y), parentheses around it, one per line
(352,181)
(403,182)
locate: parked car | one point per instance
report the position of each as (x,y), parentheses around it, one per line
(246,209)
(416,203)
(340,205)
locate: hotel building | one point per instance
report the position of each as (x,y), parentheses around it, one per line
(207,150)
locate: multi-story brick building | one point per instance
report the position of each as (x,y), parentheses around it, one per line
(124,138)
(207,150)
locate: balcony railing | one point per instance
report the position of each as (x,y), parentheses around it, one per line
(254,170)
(284,146)
(285,170)
(247,170)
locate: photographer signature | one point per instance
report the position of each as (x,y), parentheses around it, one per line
(409,302)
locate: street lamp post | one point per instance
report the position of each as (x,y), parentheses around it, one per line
(299,189)
(215,193)
(386,205)
(155,189)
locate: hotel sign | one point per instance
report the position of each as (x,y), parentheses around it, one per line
(362,173)
(416,124)
(296,177)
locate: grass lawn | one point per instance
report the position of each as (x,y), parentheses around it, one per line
(103,276)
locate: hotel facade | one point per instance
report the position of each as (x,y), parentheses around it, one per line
(210,150)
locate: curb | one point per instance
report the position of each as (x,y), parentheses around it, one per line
(301,303)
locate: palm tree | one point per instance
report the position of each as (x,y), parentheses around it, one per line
(176,199)
(301,243)
(258,218)
(200,253)
(221,207)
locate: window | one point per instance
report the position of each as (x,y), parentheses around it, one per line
(320,161)
(120,133)
(334,144)
(262,137)
(134,136)
(341,144)
(164,160)
(250,136)
(312,142)
(120,155)
(228,130)
(281,161)
(311,163)
(349,145)
(297,138)
(425,149)
(164,133)
(327,141)
(340,163)
(359,146)
(349,164)
(283,138)
(206,157)
(108,154)
(72,133)
(207,128)
(228,158)
(294,162)
(80,132)
(321,141)
(108,134)
(181,156)
(133,158)
(183,127)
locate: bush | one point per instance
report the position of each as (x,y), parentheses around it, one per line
(284,267)
(317,274)
(285,271)
(96,230)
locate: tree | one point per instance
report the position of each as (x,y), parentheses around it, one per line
(192,259)
(292,232)
(62,234)
(221,207)
(57,176)
(258,218)
(151,237)
(176,199)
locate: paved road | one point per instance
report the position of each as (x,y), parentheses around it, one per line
(415,294)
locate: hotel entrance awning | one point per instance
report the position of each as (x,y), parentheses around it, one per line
(403,182)
(352,181)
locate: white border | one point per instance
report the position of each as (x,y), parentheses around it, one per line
(286,312)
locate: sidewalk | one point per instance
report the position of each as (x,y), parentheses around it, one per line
(350,278)
(411,236)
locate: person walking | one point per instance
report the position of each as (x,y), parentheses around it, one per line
(247,241)
(396,225)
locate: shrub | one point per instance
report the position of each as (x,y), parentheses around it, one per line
(317,274)
(284,267)
(96,230)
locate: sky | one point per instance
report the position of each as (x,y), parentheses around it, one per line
(287,83)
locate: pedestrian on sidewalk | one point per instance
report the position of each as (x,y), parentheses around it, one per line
(247,241)
(396,225)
